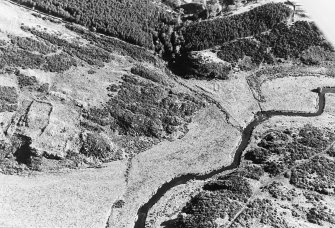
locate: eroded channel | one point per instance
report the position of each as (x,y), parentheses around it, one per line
(259,118)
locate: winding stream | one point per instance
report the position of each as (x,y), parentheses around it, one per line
(259,118)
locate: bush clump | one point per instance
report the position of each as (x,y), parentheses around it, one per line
(233,183)
(211,70)
(59,62)
(8,99)
(32,45)
(251,171)
(147,73)
(317,175)
(260,212)
(318,215)
(141,108)
(90,54)
(95,146)
(194,66)
(277,151)
(13,57)
(315,55)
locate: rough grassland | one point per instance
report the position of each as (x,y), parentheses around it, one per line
(234,95)
(11,18)
(208,145)
(293,93)
(79,198)
(330,104)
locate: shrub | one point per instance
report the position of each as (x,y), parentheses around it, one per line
(172,3)
(23,53)
(204,208)
(13,57)
(260,213)
(118,204)
(313,137)
(317,175)
(278,150)
(59,62)
(95,146)
(91,71)
(32,45)
(257,155)
(189,66)
(8,99)
(315,55)
(26,81)
(212,70)
(147,73)
(318,215)
(234,183)
(251,171)
(192,8)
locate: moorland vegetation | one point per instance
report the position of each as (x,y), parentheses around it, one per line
(134,21)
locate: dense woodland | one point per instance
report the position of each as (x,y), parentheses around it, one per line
(232,52)
(209,33)
(298,41)
(289,41)
(134,21)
